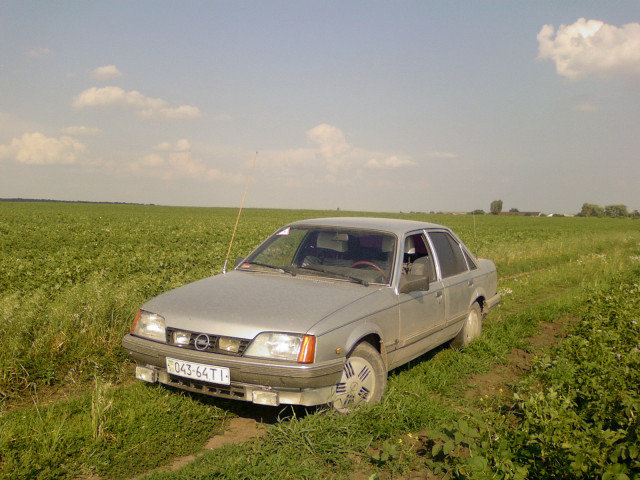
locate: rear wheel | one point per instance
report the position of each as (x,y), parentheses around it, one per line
(364,379)
(471,329)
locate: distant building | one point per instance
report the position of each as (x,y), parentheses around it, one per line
(523,214)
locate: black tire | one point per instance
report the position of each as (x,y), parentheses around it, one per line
(363,381)
(471,329)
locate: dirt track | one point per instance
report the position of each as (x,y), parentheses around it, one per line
(496,382)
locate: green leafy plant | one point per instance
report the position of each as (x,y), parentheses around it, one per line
(72,277)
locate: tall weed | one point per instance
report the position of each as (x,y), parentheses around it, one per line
(112,432)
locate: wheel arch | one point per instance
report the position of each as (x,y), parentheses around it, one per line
(482,302)
(373,338)
(480,298)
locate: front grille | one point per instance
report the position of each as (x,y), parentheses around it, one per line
(224,391)
(205,342)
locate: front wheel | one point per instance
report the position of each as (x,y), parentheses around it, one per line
(364,379)
(471,329)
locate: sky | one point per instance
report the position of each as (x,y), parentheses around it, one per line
(352,105)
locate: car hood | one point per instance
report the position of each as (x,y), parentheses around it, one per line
(243,304)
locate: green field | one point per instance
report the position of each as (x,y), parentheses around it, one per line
(72,277)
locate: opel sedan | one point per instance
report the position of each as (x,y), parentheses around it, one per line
(318,313)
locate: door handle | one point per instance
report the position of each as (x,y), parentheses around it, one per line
(439,296)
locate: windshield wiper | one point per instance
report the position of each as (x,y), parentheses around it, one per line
(258,264)
(291,270)
(337,274)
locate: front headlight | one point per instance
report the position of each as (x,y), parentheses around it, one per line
(149,325)
(283,346)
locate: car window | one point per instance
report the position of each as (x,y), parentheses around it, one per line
(470,263)
(280,249)
(449,253)
(354,254)
(417,258)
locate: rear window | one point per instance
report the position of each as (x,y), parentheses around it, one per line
(449,254)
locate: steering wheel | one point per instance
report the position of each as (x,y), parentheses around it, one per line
(367,263)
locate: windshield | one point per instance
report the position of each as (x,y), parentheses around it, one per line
(359,255)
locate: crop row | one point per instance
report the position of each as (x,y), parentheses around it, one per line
(577,413)
(73,275)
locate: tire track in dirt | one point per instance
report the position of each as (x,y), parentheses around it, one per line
(238,430)
(500,377)
(496,382)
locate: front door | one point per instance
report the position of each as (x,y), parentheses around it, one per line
(422,313)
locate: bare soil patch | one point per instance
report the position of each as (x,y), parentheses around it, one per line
(493,384)
(498,381)
(238,430)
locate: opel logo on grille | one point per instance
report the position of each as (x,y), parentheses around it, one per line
(202,342)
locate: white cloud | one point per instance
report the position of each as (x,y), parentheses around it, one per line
(106,72)
(341,157)
(591,48)
(441,155)
(332,146)
(390,162)
(38,52)
(107,96)
(37,149)
(223,118)
(180,146)
(330,140)
(585,107)
(330,159)
(145,106)
(81,131)
(151,160)
(173,161)
(179,113)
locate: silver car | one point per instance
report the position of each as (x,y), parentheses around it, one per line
(317,314)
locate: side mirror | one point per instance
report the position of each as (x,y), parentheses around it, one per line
(413,283)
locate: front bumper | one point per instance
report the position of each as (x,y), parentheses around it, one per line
(255,380)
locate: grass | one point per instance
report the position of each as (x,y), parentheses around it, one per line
(72,277)
(422,397)
(575,415)
(108,430)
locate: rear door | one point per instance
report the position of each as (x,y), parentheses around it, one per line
(456,277)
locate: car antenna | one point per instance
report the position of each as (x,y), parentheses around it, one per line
(253,166)
(475,238)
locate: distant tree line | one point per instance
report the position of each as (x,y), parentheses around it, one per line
(613,211)
(588,210)
(46,200)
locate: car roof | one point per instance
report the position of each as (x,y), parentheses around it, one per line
(397,226)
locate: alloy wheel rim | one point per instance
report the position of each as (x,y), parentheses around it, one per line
(473,325)
(356,385)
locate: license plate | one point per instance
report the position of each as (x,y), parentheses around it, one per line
(198,371)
